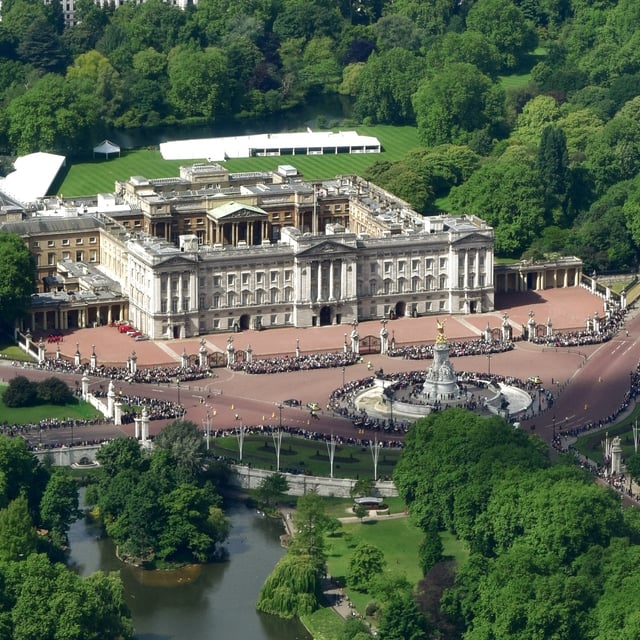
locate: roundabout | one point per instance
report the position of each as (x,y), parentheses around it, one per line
(412,395)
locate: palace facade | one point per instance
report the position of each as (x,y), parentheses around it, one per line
(212,251)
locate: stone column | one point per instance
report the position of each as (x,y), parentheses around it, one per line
(331,295)
(184,359)
(111,396)
(133,363)
(344,286)
(384,338)
(136,428)
(117,413)
(202,354)
(249,354)
(93,360)
(41,351)
(76,356)
(85,386)
(144,424)
(616,456)
(319,297)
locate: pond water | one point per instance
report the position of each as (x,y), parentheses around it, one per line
(209,601)
(330,108)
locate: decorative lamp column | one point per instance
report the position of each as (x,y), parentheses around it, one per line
(93,360)
(76,357)
(133,363)
(136,428)
(184,359)
(41,351)
(58,354)
(549,328)
(345,348)
(487,333)
(249,354)
(297,347)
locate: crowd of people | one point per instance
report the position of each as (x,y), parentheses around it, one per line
(306,362)
(456,348)
(150,375)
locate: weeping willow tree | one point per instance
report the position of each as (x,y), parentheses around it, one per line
(292,589)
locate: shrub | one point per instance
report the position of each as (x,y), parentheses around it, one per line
(21,392)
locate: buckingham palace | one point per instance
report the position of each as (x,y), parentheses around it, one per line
(211,250)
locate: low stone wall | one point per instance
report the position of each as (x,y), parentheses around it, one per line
(249,478)
(66,456)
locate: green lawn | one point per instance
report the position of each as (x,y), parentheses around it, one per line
(307,456)
(10,351)
(99,175)
(323,624)
(399,539)
(32,415)
(590,444)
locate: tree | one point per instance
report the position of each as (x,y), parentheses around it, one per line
(21,392)
(509,190)
(17,266)
(401,619)
(385,86)
(186,447)
(431,550)
(365,563)
(20,473)
(504,26)
(17,533)
(59,505)
(121,454)
(188,533)
(49,601)
(271,488)
(311,522)
(450,462)
(455,102)
(54,391)
(553,164)
(292,589)
(362,487)
(197,81)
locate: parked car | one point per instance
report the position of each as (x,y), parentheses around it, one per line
(291,402)
(141,337)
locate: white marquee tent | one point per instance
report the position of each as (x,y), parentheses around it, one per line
(32,178)
(270,144)
(106,147)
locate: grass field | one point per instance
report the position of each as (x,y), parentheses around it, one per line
(399,539)
(307,456)
(32,415)
(590,445)
(99,175)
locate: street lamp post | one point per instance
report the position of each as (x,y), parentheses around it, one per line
(209,423)
(343,372)
(240,435)
(489,356)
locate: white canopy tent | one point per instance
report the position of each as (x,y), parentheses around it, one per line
(32,178)
(106,147)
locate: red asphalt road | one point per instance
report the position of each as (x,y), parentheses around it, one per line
(593,379)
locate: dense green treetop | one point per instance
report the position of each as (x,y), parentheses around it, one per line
(460,456)
(17,266)
(161,506)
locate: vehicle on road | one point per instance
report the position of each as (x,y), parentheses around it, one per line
(291,402)
(313,406)
(535,379)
